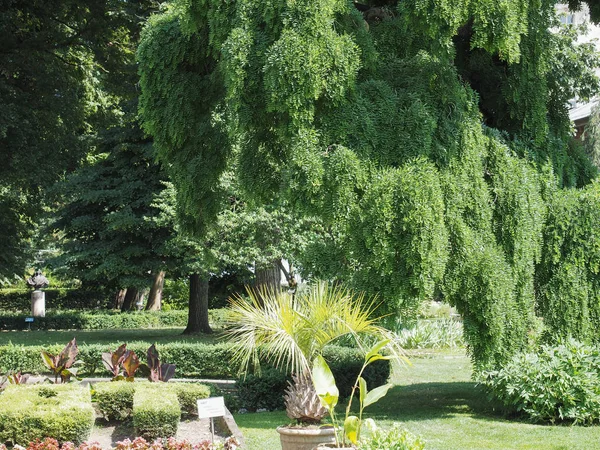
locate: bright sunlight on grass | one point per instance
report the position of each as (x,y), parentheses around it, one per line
(435,398)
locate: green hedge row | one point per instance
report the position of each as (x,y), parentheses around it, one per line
(30,412)
(193,360)
(156,412)
(20,299)
(115,399)
(266,390)
(95,320)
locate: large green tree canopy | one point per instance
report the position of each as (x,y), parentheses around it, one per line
(63,73)
(431,137)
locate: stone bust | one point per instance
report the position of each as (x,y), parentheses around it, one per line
(37,280)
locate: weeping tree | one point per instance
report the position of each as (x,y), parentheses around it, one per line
(430,138)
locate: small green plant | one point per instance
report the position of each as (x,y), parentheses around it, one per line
(47,392)
(158,371)
(63,364)
(328,392)
(121,360)
(393,439)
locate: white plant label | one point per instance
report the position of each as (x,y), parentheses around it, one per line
(211,407)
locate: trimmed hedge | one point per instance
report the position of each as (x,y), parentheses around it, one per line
(193,360)
(156,412)
(20,299)
(30,412)
(266,390)
(188,394)
(94,320)
(114,399)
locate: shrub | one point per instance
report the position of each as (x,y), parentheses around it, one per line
(393,439)
(193,360)
(19,299)
(264,391)
(30,412)
(559,383)
(94,320)
(345,364)
(187,394)
(114,399)
(156,412)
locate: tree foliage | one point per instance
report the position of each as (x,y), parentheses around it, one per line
(430,138)
(61,78)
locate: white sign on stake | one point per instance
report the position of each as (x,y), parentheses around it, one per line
(211,407)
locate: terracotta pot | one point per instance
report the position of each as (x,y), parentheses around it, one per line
(305,438)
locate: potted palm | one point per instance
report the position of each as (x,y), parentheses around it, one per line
(290,331)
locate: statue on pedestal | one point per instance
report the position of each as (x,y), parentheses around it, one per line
(38,297)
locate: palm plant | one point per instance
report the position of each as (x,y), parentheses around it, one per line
(291,330)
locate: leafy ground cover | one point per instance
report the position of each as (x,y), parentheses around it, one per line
(164,335)
(435,398)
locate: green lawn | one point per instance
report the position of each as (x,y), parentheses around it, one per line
(436,399)
(151,335)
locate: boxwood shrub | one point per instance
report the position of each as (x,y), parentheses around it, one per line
(156,412)
(188,394)
(30,412)
(114,399)
(556,384)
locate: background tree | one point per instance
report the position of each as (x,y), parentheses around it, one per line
(113,235)
(56,58)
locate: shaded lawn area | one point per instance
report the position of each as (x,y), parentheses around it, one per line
(150,335)
(435,398)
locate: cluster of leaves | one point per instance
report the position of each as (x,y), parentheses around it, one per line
(63,364)
(557,384)
(13,378)
(158,371)
(121,363)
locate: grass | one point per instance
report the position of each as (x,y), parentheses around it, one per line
(435,398)
(162,335)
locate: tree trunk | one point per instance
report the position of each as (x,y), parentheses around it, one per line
(267,279)
(139,299)
(120,298)
(155,296)
(129,300)
(198,305)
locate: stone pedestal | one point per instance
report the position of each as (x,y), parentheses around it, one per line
(38,303)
